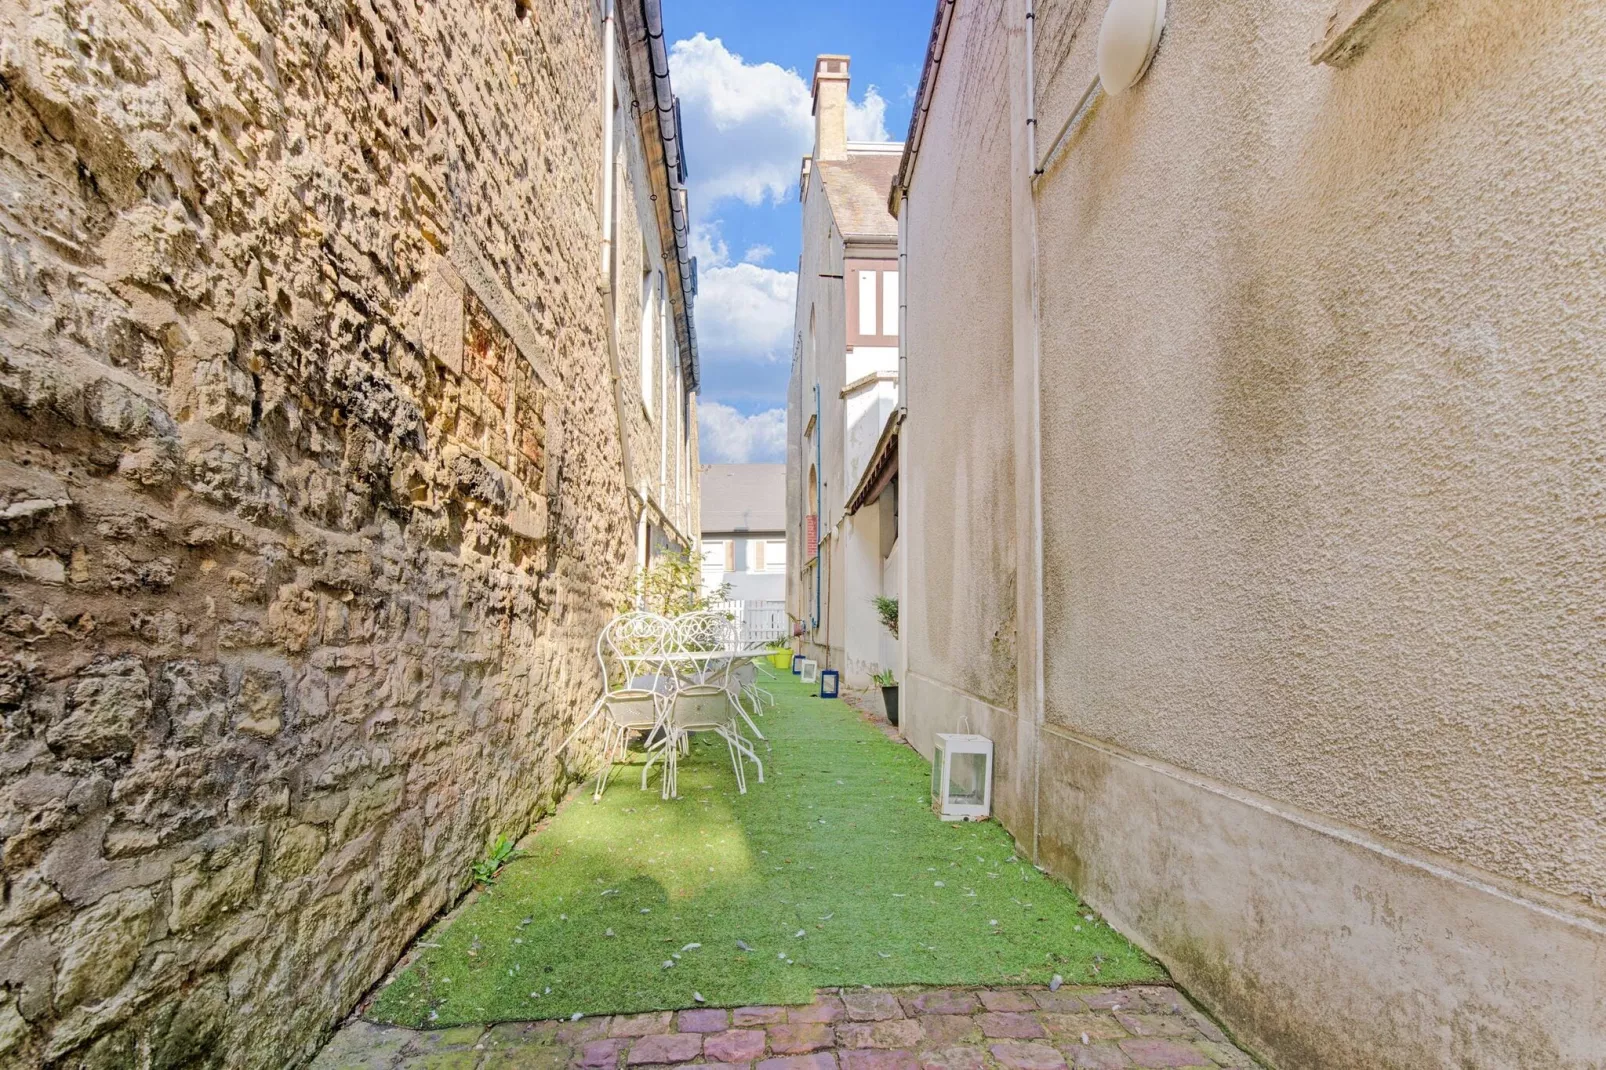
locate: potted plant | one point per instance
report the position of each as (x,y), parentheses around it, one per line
(887,609)
(889,694)
(780,653)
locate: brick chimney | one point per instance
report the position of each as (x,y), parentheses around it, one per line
(831,108)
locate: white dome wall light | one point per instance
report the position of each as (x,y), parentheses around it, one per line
(1127,39)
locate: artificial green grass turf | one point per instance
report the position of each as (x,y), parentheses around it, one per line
(834,872)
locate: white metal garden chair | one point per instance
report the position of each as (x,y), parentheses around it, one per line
(636,685)
(702,702)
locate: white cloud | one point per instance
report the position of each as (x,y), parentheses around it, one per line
(749,125)
(744,311)
(747,128)
(868,121)
(725,436)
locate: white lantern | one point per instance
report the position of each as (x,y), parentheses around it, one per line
(962,777)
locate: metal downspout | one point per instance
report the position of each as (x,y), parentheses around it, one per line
(609,266)
(819,500)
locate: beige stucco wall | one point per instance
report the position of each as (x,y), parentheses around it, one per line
(959,610)
(1323,419)
(1322,424)
(1326,414)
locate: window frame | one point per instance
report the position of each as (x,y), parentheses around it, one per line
(851,270)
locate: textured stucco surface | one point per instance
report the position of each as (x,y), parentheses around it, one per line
(312,495)
(1318,950)
(1325,423)
(1324,513)
(959,488)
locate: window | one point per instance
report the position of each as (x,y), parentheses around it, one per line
(774,558)
(872,289)
(730,555)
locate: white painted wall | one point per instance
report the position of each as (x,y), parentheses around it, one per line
(864,412)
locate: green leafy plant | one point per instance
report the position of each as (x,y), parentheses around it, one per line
(501,853)
(780,642)
(884,678)
(887,609)
(672,585)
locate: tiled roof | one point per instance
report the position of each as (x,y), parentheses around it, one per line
(744,497)
(857,189)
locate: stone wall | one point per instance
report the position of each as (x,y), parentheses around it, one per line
(298,309)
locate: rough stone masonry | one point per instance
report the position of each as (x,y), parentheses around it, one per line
(298,308)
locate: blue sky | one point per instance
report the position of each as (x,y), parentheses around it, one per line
(742,73)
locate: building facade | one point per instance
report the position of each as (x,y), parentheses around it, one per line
(744,531)
(842,401)
(1252,500)
(346,371)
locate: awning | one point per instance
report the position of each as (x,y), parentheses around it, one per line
(882,468)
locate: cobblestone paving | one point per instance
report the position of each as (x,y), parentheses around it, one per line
(855,1029)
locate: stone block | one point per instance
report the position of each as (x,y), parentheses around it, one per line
(800,1039)
(640,1025)
(954,1057)
(1098,1057)
(1075,1026)
(746,1016)
(871,1006)
(893,1033)
(212,883)
(819,1061)
(734,1046)
(193,697)
(950,1028)
(1027,1056)
(101,945)
(107,706)
(578,1034)
(879,1060)
(1157,1052)
(296,851)
(1011,1026)
(826,1009)
(525,1058)
(259,707)
(1154,1025)
(1059,1002)
(942,1002)
(708,1020)
(665,1049)
(1007,1000)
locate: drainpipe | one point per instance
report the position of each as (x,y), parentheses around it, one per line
(905,538)
(1025,166)
(665,347)
(903,305)
(609,267)
(819,498)
(1031,82)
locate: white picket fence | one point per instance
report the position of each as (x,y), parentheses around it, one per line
(759,621)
